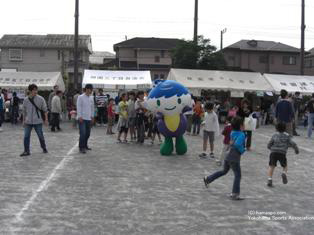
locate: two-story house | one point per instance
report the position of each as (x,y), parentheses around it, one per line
(102,60)
(45,53)
(152,54)
(263,56)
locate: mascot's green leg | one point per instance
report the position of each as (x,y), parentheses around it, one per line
(181,146)
(167,147)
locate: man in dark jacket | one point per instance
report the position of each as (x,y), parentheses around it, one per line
(284,112)
(310,108)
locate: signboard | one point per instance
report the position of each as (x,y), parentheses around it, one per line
(237,94)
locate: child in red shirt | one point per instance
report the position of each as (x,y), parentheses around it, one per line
(226,142)
(111,116)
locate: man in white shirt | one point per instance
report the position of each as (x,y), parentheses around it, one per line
(56,110)
(85,116)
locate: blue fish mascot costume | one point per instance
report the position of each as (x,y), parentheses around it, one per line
(169,99)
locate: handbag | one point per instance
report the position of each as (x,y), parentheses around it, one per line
(250,123)
(42,113)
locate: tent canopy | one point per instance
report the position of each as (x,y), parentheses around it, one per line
(117,79)
(291,83)
(21,80)
(220,80)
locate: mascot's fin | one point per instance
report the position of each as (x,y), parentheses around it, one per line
(166,148)
(181,147)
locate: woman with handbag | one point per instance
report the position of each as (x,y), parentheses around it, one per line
(244,112)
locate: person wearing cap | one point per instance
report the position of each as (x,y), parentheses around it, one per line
(85,116)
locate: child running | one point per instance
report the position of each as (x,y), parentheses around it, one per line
(233,158)
(210,130)
(278,145)
(226,142)
(123,125)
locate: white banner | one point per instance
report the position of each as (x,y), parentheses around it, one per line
(120,78)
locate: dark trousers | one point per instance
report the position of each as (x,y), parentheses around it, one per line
(27,136)
(102,115)
(1,117)
(196,124)
(248,139)
(85,128)
(235,166)
(189,123)
(140,124)
(55,121)
(14,114)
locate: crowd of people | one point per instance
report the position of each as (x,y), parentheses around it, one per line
(134,122)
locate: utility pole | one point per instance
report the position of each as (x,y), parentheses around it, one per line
(302,38)
(76,53)
(222,37)
(195,21)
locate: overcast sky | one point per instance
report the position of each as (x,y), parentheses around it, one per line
(109,21)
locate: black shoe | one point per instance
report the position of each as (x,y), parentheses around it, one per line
(59,129)
(270,183)
(284,178)
(88,148)
(53,130)
(82,151)
(25,154)
(206,182)
(45,151)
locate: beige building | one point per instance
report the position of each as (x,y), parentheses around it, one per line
(45,53)
(152,54)
(263,56)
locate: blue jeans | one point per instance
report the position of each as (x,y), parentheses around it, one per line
(196,124)
(310,121)
(85,128)
(27,136)
(235,166)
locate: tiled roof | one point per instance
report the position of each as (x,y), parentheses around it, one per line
(149,43)
(97,57)
(53,41)
(258,45)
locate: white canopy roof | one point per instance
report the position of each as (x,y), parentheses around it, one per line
(117,79)
(291,83)
(220,80)
(21,80)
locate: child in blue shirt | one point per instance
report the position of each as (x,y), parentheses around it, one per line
(232,160)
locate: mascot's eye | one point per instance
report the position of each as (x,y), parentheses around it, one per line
(158,102)
(179,101)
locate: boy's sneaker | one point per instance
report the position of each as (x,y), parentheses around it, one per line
(236,197)
(284,178)
(206,182)
(45,151)
(270,183)
(218,163)
(203,155)
(212,155)
(24,154)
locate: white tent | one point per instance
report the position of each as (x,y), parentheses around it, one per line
(21,80)
(115,80)
(291,83)
(220,80)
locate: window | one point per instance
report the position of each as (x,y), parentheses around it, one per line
(189,78)
(308,64)
(289,60)
(263,59)
(156,76)
(162,76)
(42,53)
(59,55)
(135,53)
(157,59)
(162,54)
(15,55)
(232,58)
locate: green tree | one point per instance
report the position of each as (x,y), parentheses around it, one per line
(188,55)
